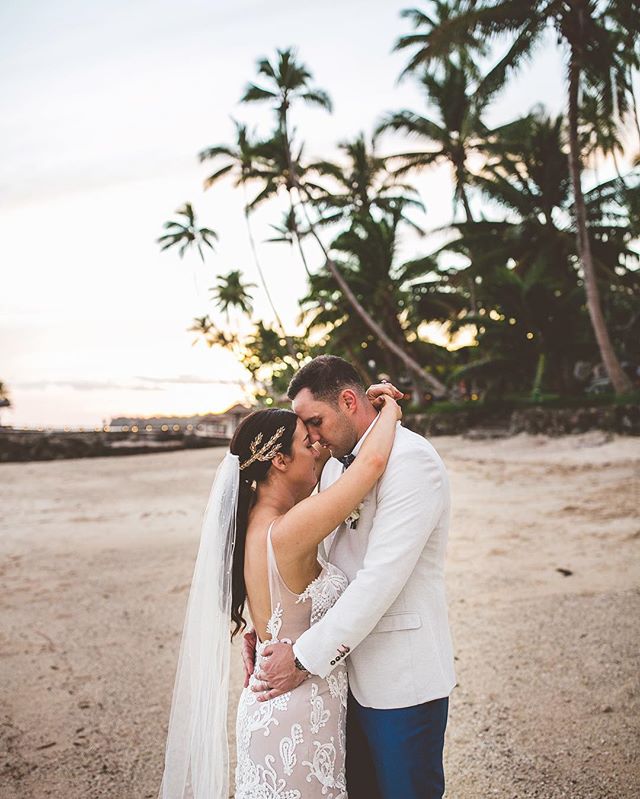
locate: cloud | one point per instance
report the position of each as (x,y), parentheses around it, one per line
(192,379)
(80,385)
(147,384)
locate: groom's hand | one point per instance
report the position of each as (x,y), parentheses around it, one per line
(249,643)
(278,673)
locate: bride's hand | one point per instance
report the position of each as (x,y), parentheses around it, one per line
(378,390)
(390,405)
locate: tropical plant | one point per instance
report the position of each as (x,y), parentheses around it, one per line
(288,81)
(284,82)
(231,292)
(600,40)
(454,135)
(366,254)
(363,185)
(240,165)
(186,234)
(524,267)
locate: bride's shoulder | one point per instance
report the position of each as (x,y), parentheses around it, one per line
(259,525)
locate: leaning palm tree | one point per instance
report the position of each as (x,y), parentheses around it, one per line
(601,45)
(367,253)
(240,164)
(186,234)
(286,82)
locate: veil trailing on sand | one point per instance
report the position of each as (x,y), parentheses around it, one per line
(197,751)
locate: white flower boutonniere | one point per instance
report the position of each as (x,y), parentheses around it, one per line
(352,519)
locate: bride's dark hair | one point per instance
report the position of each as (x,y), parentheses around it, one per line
(266,422)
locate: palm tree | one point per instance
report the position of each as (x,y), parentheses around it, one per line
(241,165)
(432,25)
(231,292)
(456,133)
(526,263)
(367,257)
(213,336)
(284,82)
(202,326)
(602,49)
(186,234)
(284,232)
(273,168)
(363,184)
(287,82)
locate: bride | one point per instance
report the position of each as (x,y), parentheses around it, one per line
(259,547)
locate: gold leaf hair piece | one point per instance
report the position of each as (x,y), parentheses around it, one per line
(266,452)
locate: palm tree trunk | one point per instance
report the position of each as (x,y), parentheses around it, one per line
(256,261)
(465,201)
(634,103)
(413,366)
(536,389)
(296,233)
(619,379)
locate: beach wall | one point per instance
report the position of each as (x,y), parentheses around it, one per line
(37,445)
(622,419)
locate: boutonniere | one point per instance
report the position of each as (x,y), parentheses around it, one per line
(352,519)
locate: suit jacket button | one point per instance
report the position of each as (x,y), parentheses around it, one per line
(333,663)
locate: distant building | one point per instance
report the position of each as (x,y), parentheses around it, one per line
(223,424)
(212,425)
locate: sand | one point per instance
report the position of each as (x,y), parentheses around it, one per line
(96,557)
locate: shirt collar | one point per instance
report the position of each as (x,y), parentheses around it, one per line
(360,441)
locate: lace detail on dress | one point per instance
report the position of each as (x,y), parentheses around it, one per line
(293,746)
(324,591)
(275,622)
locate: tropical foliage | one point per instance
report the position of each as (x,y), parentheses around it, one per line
(534,286)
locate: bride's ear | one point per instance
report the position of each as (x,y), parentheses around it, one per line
(279,462)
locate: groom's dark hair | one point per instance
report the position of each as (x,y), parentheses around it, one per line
(325,377)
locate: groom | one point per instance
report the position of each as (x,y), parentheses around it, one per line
(391,622)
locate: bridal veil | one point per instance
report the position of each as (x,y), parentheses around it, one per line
(197,750)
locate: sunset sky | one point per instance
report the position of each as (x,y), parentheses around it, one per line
(105,106)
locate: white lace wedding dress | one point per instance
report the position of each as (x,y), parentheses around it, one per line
(293,746)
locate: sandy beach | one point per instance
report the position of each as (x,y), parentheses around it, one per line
(96,558)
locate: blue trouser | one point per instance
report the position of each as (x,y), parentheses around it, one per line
(396,754)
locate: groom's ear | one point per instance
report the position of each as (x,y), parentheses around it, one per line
(349,399)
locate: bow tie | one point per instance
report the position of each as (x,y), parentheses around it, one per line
(347,460)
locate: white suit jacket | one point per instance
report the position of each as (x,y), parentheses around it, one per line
(391,622)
